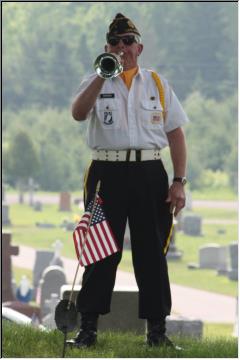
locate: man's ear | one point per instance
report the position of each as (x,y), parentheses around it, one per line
(106,48)
(140,49)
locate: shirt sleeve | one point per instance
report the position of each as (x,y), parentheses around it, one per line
(83,85)
(175,114)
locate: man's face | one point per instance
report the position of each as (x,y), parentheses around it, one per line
(130,52)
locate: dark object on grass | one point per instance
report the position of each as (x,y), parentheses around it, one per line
(66,319)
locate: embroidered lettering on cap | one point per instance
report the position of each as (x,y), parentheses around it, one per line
(107,96)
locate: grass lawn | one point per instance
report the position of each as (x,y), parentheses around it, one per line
(32,343)
(26,233)
(220,214)
(223,194)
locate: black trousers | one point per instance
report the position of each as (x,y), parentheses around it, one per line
(137,191)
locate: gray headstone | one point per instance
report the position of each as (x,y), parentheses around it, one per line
(213,256)
(53,278)
(5,214)
(37,206)
(45,225)
(184,327)
(173,253)
(65,201)
(42,261)
(48,321)
(124,309)
(192,225)
(56,260)
(233,271)
(124,314)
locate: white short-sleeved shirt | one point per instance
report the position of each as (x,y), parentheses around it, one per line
(132,119)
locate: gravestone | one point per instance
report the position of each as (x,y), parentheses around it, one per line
(65,201)
(5,215)
(45,225)
(124,314)
(192,225)
(48,321)
(182,326)
(213,256)
(173,253)
(42,261)
(233,271)
(7,251)
(37,206)
(124,309)
(31,187)
(56,260)
(51,282)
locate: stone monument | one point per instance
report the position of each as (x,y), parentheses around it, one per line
(173,252)
(5,215)
(65,201)
(49,320)
(233,271)
(56,260)
(192,225)
(52,279)
(32,186)
(42,261)
(213,256)
(8,250)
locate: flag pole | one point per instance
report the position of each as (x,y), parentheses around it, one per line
(84,242)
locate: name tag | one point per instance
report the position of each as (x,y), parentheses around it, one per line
(107,96)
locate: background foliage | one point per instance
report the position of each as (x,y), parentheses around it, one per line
(49,47)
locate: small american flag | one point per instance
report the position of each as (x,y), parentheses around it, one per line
(100,241)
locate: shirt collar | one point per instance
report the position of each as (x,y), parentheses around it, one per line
(139,73)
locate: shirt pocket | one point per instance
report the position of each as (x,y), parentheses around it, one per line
(108,113)
(151,113)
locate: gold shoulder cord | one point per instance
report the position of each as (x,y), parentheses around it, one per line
(161,91)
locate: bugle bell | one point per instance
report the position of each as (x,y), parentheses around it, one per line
(108,65)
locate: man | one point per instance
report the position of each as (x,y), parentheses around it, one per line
(127,129)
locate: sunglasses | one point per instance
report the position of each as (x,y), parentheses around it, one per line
(127,40)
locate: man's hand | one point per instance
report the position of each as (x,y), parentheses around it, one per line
(177,198)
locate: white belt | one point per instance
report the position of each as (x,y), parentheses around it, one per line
(126,155)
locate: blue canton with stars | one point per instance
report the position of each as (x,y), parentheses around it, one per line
(98,215)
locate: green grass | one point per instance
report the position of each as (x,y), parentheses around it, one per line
(26,233)
(215,330)
(220,214)
(24,215)
(223,194)
(25,342)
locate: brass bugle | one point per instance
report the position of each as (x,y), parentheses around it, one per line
(108,65)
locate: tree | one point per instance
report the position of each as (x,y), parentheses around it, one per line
(23,161)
